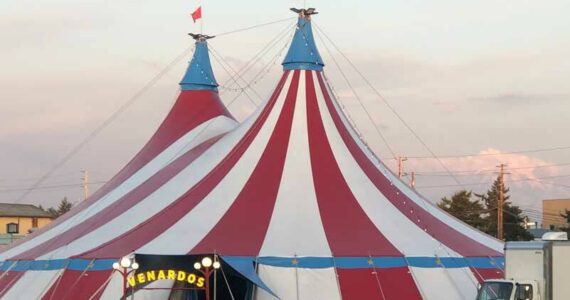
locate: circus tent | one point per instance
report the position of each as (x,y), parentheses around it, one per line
(292,189)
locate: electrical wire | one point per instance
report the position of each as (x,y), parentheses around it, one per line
(392,109)
(254,26)
(484,183)
(272,43)
(368,114)
(494,170)
(221,62)
(49,187)
(119,111)
(494,154)
(104,124)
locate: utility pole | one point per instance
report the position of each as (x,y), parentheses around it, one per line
(401,161)
(85,179)
(501,201)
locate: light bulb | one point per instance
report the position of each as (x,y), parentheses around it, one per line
(197,266)
(125,262)
(116,266)
(135,265)
(207,262)
(216,265)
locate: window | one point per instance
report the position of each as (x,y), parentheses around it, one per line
(12,228)
(34,222)
(524,292)
(494,290)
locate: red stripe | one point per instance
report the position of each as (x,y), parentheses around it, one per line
(484,274)
(242,229)
(347,227)
(435,227)
(8,279)
(75,284)
(190,110)
(145,232)
(376,284)
(114,210)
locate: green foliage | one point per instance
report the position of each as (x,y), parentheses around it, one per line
(63,207)
(481,213)
(513,218)
(464,208)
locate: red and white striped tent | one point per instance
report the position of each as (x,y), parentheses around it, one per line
(293,188)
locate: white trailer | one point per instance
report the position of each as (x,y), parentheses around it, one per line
(535,270)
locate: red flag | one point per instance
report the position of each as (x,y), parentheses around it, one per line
(197,14)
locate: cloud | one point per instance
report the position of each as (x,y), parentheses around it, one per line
(524,176)
(524,170)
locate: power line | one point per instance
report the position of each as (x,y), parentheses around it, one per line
(110,119)
(428,173)
(103,125)
(512,180)
(221,62)
(494,154)
(49,187)
(368,114)
(392,109)
(253,27)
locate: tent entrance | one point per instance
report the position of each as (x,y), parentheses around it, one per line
(188,278)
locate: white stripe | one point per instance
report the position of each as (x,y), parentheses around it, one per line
(201,133)
(200,220)
(397,228)
(296,227)
(444,284)
(159,199)
(298,283)
(32,285)
(155,202)
(463,228)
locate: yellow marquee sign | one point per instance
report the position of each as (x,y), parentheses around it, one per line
(178,275)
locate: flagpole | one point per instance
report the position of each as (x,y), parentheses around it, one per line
(201,19)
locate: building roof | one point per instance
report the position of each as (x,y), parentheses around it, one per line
(22,210)
(561,199)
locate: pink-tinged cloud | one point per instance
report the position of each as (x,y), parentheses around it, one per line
(524,170)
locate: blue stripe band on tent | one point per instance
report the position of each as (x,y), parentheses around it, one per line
(383,262)
(286,262)
(56,264)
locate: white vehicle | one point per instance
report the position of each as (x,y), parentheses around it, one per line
(535,270)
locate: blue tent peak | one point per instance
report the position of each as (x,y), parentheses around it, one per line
(303,53)
(199,75)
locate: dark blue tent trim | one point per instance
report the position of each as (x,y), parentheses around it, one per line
(287,262)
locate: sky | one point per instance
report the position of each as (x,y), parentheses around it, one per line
(469,77)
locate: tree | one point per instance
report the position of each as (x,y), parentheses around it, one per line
(461,206)
(512,215)
(63,207)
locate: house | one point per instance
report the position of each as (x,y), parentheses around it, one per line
(18,220)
